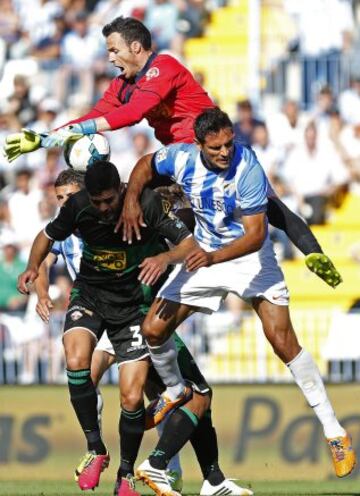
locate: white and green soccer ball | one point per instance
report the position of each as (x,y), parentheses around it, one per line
(90,148)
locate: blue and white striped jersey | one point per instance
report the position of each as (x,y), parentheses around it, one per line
(71,251)
(219,199)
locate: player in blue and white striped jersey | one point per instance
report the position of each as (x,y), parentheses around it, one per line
(228,191)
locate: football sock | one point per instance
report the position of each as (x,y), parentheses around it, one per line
(99,406)
(177,431)
(131,430)
(164,359)
(84,400)
(308,378)
(174,463)
(204,442)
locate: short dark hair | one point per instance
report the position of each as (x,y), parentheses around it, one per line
(210,121)
(70,176)
(101,176)
(130,29)
(244,105)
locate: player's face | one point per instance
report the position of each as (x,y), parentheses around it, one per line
(218,148)
(122,55)
(64,192)
(107,203)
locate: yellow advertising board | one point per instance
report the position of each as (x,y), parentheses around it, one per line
(265,432)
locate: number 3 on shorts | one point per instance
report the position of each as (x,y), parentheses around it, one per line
(138,339)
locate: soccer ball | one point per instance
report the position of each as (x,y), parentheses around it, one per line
(81,154)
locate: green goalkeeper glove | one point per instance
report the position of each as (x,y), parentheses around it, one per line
(25,142)
(322,266)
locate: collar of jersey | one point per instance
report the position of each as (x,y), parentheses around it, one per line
(144,70)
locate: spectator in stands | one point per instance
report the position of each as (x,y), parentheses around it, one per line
(286,129)
(47,173)
(191,19)
(160,19)
(79,41)
(47,51)
(9,22)
(269,156)
(314,173)
(324,107)
(321,24)
(25,198)
(19,101)
(349,102)
(105,10)
(349,140)
(141,144)
(245,123)
(46,112)
(10,267)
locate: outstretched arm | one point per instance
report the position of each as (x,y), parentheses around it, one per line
(44,303)
(293,225)
(131,216)
(39,250)
(300,234)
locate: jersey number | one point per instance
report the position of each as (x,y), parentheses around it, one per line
(138,339)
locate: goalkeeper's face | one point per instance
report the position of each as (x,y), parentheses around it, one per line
(123,56)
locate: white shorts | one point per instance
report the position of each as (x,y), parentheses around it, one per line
(249,277)
(104,344)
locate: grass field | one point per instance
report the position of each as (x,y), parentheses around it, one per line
(285,488)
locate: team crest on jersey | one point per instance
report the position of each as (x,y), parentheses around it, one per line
(161,154)
(75,315)
(229,189)
(153,72)
(166,206)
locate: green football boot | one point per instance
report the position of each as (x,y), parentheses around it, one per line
(322,266)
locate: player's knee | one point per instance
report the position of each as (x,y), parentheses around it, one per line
(77,362)
(131,400)
(152,333)
(199,404)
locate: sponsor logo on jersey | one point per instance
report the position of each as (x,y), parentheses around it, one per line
(211,204)
(152,73)
(110,260)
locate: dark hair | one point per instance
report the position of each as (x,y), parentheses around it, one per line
(244,105)
(130,29)
(25,171)
(210,121)
(70,176)
(101,176)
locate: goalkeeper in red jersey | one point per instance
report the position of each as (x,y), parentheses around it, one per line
(162,90)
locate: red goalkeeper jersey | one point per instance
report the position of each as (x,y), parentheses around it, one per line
(164,92)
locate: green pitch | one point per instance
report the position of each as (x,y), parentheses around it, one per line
(285,488)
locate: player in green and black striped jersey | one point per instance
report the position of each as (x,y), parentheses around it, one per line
(116,283)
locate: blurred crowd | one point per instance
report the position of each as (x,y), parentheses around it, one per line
(53,67)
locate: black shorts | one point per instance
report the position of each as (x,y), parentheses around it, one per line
(89,309)
(188,368)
